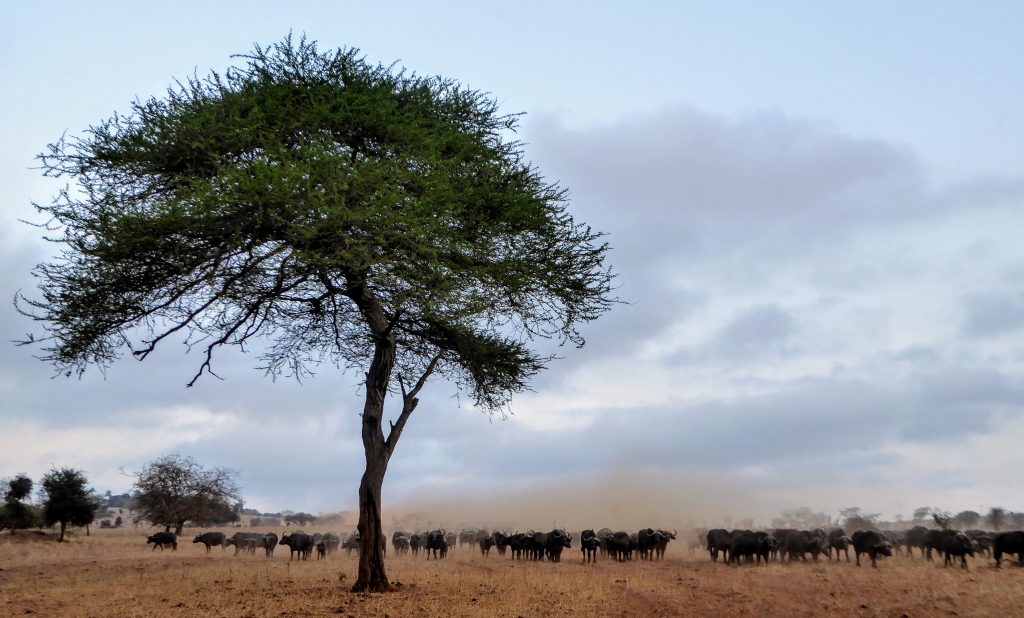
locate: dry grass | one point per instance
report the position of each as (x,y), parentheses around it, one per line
(113,573)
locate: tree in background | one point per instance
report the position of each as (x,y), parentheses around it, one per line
(854,518)
(921,514)
(68,500)
(16,513)
(174,489)
(300,519)
(996,518)
(346,212)
(966,520)
(802,518)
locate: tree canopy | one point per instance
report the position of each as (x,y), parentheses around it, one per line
(173,490)
(308,196)
(16,513)
(67,499)
(338,210)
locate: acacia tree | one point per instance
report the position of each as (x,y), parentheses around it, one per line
(996,518)
(345,212)
(174,489)
(16,513)
(67,499)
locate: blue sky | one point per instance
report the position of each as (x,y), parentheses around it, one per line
(812,207)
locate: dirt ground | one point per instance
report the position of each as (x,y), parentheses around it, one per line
(114,573)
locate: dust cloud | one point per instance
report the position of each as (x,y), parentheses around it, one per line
(628,499)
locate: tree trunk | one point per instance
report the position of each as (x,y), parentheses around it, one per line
(372,576)
(61,539)
(177,529)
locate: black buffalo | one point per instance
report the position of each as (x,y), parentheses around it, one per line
(210,539)
(437,543)
(163,538)
(501,542)
(801,542)
(751,545)
(957,545)
(466,537)
(620,546)
(241,540)
(719,541)
(400,542)
(916,537)
(485,542)
(298,542)
(838,541)
(557,540)
(269,542)
(871,543)
(588,545)
(1008,543)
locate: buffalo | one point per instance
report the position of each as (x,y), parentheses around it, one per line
(838,541)
(298,542)
(241,540)
(485,542)
(557,540)
(588,545)
(437,543)
(466,537)
(751,545)
(801,542)
(400,542)
(269,542)
(957,545)
(501,542)
(332,542)
(1008,543)
(871,543)
(210,539)
(353,542)
(620,546)
(163,538)
(916,537)
(719,540)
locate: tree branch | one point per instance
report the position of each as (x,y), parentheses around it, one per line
(409,402)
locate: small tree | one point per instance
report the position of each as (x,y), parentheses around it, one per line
(17,513)
(854,518)
(347,212)
(921,514)
(118,522)
(174,489)
(67,499)
(300,518)
(966,520)
(996,518)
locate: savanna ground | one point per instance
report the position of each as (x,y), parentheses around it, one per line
(114,573)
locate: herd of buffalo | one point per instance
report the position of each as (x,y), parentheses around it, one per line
(792,545)
(734,546)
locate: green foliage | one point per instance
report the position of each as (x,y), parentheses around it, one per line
(16,513)
(67,499)
(324,203)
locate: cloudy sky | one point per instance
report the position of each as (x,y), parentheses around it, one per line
(815,215)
